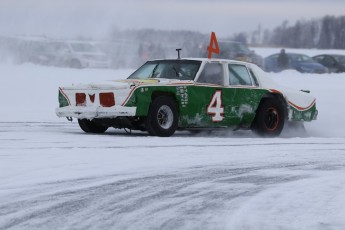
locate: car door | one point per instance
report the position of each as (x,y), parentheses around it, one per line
(206,98)
(245,94)
(224,95)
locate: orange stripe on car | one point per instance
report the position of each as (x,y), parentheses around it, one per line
(302,108)
(129,95)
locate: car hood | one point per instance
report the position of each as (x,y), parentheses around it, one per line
(122,89)
(123,84)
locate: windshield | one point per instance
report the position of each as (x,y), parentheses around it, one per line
(170,69)
(60,47)
(40,47)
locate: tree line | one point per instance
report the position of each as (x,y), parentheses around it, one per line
(325,33)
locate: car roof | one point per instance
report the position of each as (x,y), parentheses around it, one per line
(288,53)
(207,60)
(339,55)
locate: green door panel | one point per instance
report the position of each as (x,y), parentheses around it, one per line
(245,102)
(238,106)
(142,97)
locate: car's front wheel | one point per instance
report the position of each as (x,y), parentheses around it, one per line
(269,119)
(162,118)
(91,127)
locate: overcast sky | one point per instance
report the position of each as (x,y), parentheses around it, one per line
(68,18)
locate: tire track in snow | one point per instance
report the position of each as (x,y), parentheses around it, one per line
(199,197)
(195,198)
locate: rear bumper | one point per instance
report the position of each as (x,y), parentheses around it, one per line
(81,112)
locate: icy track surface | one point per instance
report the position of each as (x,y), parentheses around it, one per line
(55,177)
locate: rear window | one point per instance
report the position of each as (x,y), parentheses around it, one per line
(239,75)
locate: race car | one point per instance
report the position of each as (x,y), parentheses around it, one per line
(166,95)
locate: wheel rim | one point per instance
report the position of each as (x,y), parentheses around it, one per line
(165,117)
(271,119)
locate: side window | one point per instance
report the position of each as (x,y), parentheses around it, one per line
(328,62)
(239,75)
(319,58)
(212,73)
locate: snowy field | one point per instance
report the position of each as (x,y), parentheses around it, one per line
(54,176)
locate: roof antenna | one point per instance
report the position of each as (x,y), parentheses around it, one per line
(178,53)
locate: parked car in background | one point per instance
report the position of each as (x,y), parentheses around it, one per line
(24,49)
(235,51)
(300,62)
(334,62)
(78,54)
(51,52)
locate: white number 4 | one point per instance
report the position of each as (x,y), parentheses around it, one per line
(215,108)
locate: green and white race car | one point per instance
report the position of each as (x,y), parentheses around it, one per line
(163,96)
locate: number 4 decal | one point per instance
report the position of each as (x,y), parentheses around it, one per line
(215,108)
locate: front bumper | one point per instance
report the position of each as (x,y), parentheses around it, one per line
(92,112)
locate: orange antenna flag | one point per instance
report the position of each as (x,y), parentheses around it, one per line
(213,46)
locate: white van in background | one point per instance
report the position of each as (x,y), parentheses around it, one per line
(79,54)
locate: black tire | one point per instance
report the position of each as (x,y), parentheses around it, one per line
(91,127)
(162,118)
(270,118)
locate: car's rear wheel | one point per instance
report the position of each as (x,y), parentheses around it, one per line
(162,118)
(91,127)
(269,119)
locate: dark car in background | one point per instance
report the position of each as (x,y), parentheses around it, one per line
(334,62)
(235,51)
(300,62)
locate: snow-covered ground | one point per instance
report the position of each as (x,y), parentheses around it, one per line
(54,176)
